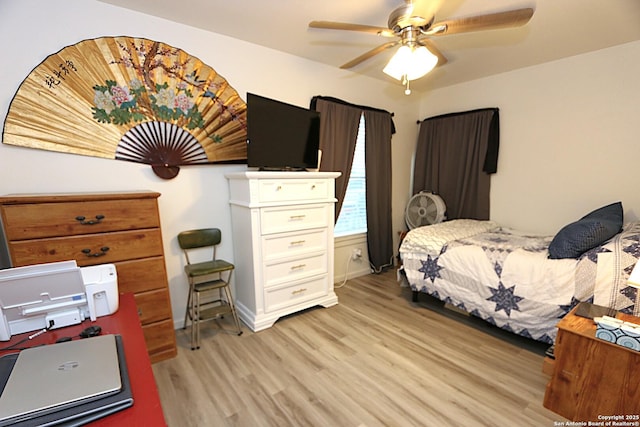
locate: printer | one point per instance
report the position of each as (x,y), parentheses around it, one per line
(55,295)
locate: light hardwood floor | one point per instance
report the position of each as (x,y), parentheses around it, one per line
(375,359)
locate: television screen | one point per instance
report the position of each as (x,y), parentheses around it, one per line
(281,136)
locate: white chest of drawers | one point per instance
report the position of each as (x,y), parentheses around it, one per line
(282,225)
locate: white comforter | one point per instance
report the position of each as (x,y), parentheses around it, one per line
(506,278)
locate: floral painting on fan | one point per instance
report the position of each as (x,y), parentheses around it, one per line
(130,99)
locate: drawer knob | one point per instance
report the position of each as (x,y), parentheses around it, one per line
(296,217)
(103,251)
(299,291)
(298,267)
(83,220)
(297,243)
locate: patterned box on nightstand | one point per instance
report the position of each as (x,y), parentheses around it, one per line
(618,332)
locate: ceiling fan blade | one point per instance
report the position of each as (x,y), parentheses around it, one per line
(330,25)
(512,18)
(368,54)
(433,49)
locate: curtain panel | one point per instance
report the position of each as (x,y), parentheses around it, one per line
(455,155)
(378,131)
(338,133)
(339,121)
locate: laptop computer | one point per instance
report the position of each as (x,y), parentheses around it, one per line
(56,377)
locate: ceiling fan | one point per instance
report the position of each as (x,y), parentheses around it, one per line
(412,25)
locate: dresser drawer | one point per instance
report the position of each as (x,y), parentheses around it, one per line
(282,245)
(281,272)
(37,220)
(274,190)
(102,248)
(160,339)
(278,220)
(153,306)
(280,297)
(141,275)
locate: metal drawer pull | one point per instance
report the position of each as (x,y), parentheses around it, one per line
(298,267)
(82,219)
(297,243)
(297,216)
(299,291)
(103,251)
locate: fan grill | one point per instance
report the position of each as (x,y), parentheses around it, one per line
(424,209)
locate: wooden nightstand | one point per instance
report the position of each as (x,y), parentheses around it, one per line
(593,378)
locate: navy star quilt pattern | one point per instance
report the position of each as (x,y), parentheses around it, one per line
(507,279)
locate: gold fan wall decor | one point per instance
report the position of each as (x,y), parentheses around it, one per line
(129,99)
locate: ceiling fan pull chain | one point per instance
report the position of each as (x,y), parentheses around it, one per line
(405,81)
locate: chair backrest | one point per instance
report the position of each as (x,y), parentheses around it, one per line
(200,238)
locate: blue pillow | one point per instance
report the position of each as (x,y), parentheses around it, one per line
(588,232)
(612,212)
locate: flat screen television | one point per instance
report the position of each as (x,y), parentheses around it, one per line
(281,136)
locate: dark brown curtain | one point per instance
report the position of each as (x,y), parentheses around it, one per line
(455,155)
(338,132)
(378,130)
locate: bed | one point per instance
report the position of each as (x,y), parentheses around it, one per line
(508,279)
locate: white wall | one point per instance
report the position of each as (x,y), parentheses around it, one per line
(33,29)
(570,136)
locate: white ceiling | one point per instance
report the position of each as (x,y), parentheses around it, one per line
(558,29)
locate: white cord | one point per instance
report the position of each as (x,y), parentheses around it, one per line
(38,333)
(345,274)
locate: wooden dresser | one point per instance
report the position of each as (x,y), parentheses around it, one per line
(283,243)
(99,228)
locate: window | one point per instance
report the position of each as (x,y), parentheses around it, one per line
(353,215)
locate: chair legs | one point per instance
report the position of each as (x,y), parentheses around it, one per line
(187,312)
(196,313)
(195,324)
(232,306)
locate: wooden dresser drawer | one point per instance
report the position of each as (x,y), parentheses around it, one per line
(304,217)
(141,275)
(29,221)
(153,305)
(90,249)
(274,190)
(160,339)
(276,246)
(290,294)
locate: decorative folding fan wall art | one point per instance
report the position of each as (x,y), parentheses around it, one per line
(129,99)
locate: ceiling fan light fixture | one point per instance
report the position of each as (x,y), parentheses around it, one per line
(410,63)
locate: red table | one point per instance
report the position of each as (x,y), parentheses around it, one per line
(146,409)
